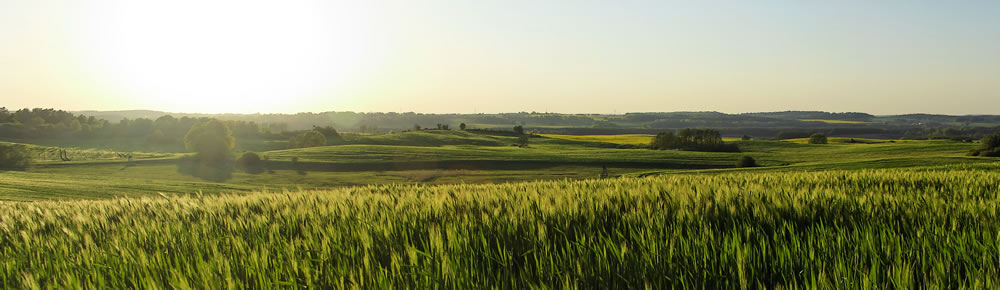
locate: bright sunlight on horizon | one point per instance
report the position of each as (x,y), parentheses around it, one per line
(435,56)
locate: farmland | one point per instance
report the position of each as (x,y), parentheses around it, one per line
(464,209)
(445,157)
(891,228)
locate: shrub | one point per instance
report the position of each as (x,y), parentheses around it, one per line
(817,138)
(989,148)
(251,163)
(746,161)
(14,157)
(522,141)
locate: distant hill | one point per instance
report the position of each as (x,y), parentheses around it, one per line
(757,124)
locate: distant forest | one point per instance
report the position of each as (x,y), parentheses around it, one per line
(161,127)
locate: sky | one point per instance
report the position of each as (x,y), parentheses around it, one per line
(441,56)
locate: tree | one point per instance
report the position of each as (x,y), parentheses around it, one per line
(416,127)
(818,138)
(522,141)
(330,133)
(746,137)
(990,146)
(692,139)
(212,143)
(746,161)
(14,157)
(461,126)
(519,130)
(311,138)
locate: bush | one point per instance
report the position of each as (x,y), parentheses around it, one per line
(989,148)
(251,163)
(817,138)
(14,157)
(746,161)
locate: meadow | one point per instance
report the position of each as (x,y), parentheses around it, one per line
(921,227)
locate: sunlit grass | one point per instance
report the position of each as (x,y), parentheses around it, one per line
(933,227)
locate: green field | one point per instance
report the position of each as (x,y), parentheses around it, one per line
(453,209)
(448,157)
(922,227)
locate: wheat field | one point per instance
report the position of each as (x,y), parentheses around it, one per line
(931,227)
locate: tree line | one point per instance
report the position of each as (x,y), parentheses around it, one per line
(692,139)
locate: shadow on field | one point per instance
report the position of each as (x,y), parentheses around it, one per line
(300,166)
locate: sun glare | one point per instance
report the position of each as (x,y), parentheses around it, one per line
(246,56)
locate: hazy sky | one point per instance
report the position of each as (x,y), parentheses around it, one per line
(576,56)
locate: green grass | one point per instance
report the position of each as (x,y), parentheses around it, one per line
(922,227)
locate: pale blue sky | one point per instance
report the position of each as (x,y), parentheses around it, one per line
(882,57)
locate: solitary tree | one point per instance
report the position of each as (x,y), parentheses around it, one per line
(212,142)
(817,138)
(461,126)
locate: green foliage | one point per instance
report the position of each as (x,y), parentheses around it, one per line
(990,147)
(251,163)
(14,157)
(746,161)
(818,138)
(692,139)
(461,126)
(213,143)
(900,229)
(519,130)
(209,138)
(522,141)
(311,138)
(330,133)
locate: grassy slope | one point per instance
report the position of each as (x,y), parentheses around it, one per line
(914,228)
(547,159)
